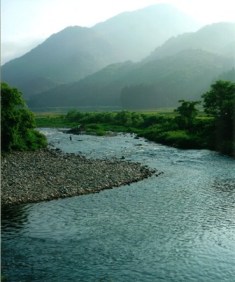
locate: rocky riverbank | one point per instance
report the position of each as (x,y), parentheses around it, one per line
(48,174)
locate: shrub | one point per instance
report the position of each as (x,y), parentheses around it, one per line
(17,123)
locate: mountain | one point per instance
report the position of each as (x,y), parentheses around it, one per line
(218,38)
(151,84)
(228,75)
(183,70)
(64,57)
(99,89)
(185,75)
(136,34)
(76,52)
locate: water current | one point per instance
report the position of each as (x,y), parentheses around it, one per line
(179,226)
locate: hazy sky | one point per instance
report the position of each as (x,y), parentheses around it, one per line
(26,23)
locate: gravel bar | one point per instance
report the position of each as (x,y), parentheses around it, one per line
(48,174)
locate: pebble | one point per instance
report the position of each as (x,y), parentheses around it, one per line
(50,174)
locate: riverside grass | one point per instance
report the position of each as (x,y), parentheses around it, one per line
(159,126)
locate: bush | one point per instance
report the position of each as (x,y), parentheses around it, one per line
(219,103)
(17,123)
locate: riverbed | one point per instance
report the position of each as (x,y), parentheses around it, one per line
(179,226)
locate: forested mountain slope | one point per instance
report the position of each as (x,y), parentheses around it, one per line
(157,83)
(76,52)
(218,38)
(64,57)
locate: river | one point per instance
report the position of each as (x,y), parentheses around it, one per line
(179,226)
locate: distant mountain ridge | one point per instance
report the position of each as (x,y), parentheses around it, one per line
(136,34)
(84,67)
(218,38)
(76,52)
(66,56)
(159,83)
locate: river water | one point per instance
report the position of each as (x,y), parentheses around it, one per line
(179,226)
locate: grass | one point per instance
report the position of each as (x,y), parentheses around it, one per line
(158,126)
(53,120)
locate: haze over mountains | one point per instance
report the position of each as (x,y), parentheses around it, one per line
(86,66)
(217,38)
(75,52)
(158,83)
(136,34)
(64,57)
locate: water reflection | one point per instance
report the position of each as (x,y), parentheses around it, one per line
(14,217)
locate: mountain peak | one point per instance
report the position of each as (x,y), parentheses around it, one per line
(75,52)
(215,38)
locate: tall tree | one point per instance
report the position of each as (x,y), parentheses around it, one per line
(17,123)
(219,102)
(187,113)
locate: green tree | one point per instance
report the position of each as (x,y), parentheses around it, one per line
(17,123)
(219,102)
(187,113)
(124,118)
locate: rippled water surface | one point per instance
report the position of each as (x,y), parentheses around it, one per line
(179,226)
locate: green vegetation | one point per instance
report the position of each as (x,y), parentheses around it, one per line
(17,123)
(187,114)
(185,128)
(159,127)
(219,103)
(53,120)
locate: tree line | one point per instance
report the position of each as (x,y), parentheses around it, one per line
(185,128)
